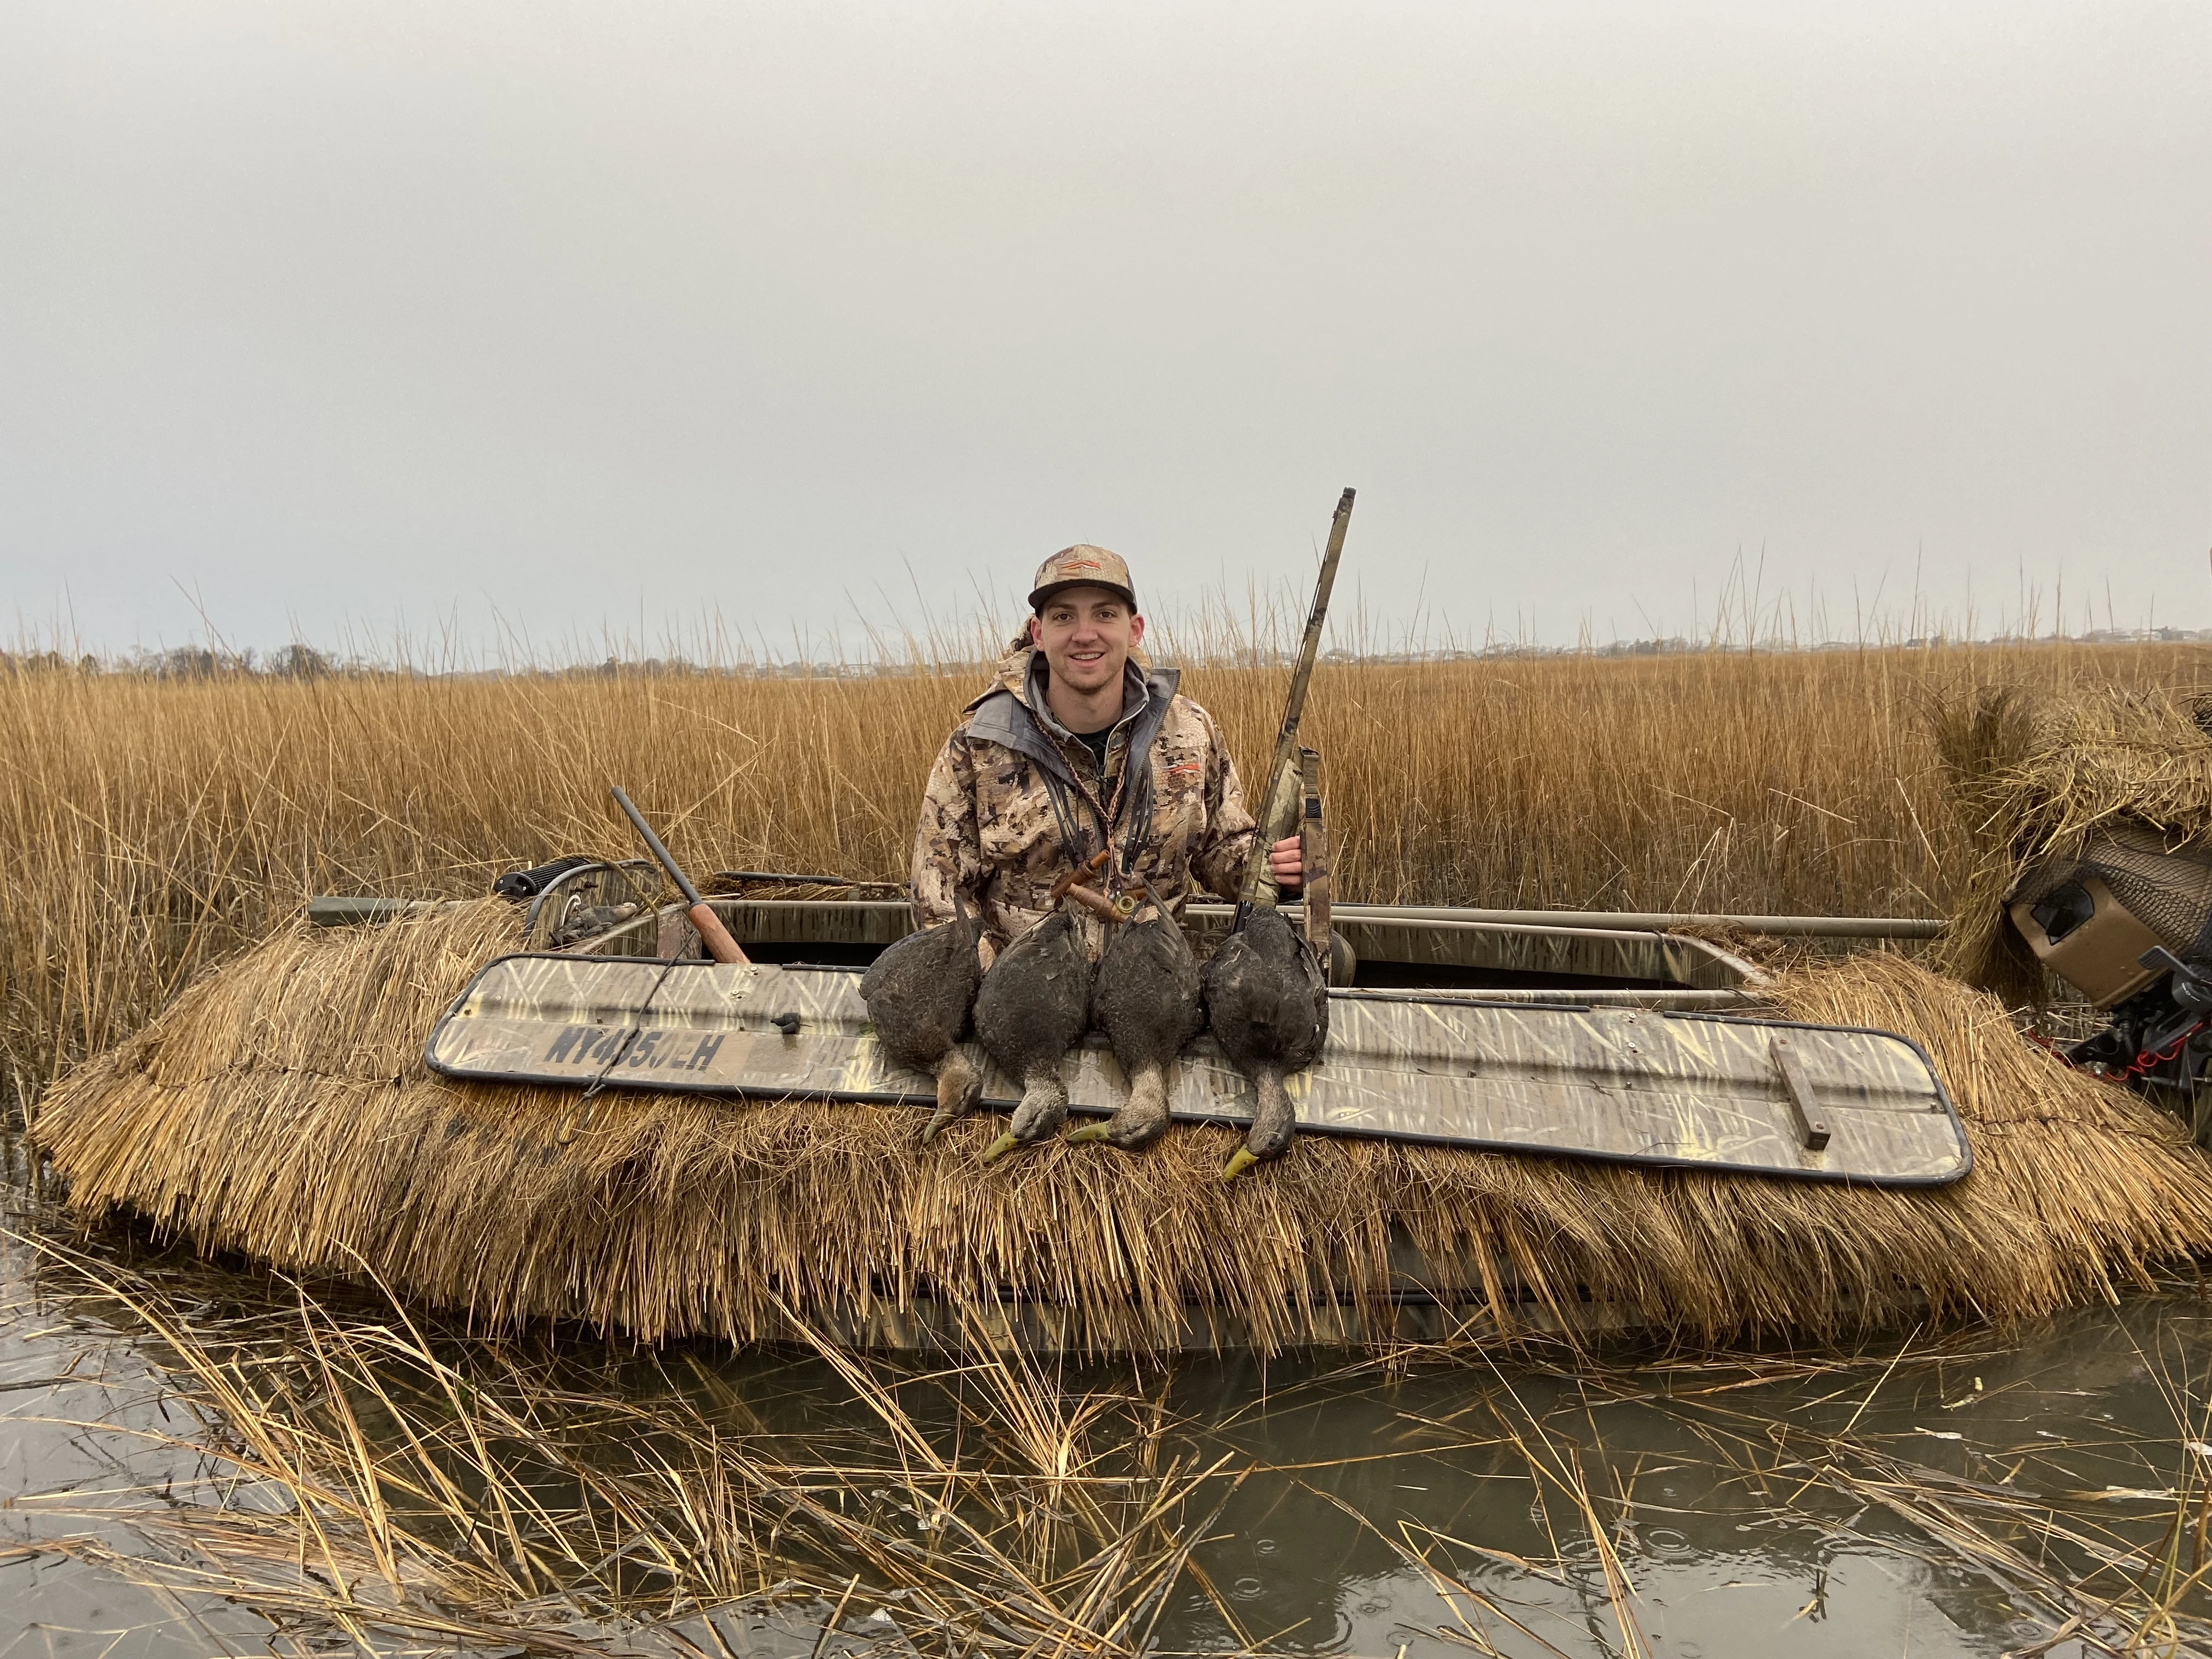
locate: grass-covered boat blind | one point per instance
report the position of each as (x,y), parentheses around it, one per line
(2034,771)
(280,1107)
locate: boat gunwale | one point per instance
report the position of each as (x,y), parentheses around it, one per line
(609,1080)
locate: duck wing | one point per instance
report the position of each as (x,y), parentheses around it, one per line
(919,991)
(1262,999)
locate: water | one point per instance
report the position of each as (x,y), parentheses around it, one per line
(1960,1496)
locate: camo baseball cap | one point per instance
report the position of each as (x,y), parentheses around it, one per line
(1082,566)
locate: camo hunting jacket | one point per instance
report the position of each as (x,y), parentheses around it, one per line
(1015,801)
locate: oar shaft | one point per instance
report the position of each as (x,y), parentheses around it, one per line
(715,936)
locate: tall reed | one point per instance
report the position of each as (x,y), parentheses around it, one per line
(151,827)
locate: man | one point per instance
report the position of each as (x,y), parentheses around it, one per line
(1079,746)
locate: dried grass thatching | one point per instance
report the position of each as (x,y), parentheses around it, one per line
(281,1108)
(2032,775)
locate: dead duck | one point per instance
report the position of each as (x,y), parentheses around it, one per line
(1145,999)
(1268,1005)
(1032,1009)
(919,993)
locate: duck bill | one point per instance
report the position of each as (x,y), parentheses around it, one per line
(999,1148)
(1089,1132)
(1243,1159)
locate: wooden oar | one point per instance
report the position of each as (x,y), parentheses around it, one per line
(715,936)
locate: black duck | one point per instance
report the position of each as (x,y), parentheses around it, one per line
(919,993)
(1146,1000)
(1268,1005)
(1034,1005)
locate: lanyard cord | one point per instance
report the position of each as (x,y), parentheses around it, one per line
(1078,846)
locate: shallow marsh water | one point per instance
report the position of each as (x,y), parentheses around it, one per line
(1965,1496)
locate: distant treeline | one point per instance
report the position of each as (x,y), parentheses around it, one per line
(305,662)
(188,662)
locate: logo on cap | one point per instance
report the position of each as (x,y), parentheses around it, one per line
(1082,565)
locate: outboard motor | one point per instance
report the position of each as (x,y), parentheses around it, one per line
(2128,923)
(529,883)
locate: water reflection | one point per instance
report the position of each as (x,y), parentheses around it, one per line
(1872,1507)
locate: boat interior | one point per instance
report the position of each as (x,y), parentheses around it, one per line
(1388,949)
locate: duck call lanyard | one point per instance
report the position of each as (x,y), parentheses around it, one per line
(1078,845)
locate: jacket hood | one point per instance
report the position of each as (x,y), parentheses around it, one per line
(1010,674)
(1003,715)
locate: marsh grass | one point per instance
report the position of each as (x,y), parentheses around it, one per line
(411,1488)
(281,1108)
(2037,776)
(374,1475)
(406,1488)
(150,827)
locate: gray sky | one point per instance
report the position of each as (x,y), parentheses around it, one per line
(560,317)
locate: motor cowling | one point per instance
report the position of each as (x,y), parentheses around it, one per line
(2128,923)
(2095,920)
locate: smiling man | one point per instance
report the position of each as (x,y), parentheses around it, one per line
(1079,745)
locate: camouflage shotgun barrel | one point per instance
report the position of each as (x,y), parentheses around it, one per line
(1278,801)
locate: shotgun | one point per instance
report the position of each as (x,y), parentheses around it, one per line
(1282,793)
(715,936)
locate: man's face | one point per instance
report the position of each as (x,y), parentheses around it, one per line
(1085,634)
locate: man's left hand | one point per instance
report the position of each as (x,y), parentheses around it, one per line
(1286,864)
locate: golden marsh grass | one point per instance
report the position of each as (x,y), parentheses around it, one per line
(371,1481)
(280,1106)
(148,827)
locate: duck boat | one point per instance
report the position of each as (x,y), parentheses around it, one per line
(1521,1125)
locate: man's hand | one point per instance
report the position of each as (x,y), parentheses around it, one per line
(1286,864)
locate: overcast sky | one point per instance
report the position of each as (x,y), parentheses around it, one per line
(556,318)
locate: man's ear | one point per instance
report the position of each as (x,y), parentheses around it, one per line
(1033,623)
(1136,629)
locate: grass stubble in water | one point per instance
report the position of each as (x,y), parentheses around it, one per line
(204,1459)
